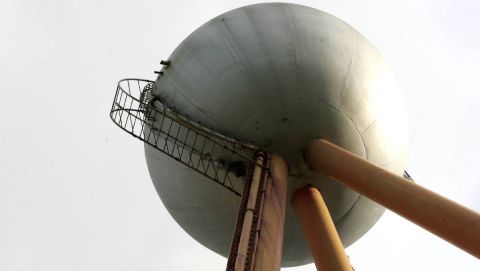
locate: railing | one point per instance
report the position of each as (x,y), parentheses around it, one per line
(143,115)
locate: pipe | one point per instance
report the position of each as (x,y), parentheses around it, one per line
(268,251)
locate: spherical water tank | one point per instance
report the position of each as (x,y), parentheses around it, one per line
(279,75)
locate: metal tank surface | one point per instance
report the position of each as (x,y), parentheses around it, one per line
(278,76)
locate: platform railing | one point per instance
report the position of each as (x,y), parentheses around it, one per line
(143,115)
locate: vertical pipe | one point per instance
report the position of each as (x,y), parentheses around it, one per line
(242,251)
(319,231)
(439,215)
(268,251)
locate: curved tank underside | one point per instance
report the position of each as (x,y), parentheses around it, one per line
(278,76)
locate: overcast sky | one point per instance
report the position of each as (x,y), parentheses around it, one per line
(74,189)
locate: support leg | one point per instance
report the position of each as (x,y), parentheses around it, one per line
(319,230)
(437,214)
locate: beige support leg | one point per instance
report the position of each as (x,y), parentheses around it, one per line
(437,214)
(319,230)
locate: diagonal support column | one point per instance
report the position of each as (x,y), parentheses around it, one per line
(437,214)
(319,231)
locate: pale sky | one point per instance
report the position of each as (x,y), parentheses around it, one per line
(75,193)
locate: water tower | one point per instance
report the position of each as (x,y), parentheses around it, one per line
(271,132)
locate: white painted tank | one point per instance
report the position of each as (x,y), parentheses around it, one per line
(280,75)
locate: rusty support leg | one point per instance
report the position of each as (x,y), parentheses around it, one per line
(319,230)
(437,214)
(268,251)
